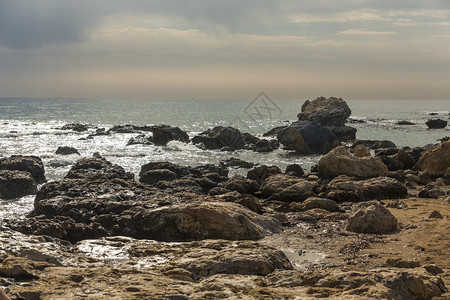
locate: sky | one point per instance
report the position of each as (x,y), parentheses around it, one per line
(211,49)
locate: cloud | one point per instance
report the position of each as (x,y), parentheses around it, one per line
(365,32)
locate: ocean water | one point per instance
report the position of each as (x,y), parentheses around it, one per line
(31,127)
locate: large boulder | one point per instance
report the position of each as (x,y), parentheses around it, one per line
(340,162)
(345,189)
(221,137)
(16,184)
(307,137)
(262,172)
(371,217)
(155,176)
(90,166)
(436,123)
(30,164)
(162,134)
(241,184)
(287,188)
(435,161)
(332,113)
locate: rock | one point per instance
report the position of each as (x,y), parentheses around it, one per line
(236,162)
(433,269)
(262,172)
(198,221)
(436,161)
(87,167)
(391,162)
(373,144)
(218,191)
(128,128)
(371,217)
(30,164)
(154,176)
(400,263)
(287,188)
(274,131)
(340,162)
(345,189)
(75,127)
(307,137)
(435,215)
(220,137)
(295,170)
(314,202)
(431,192)
(406,159)
(241,184)
(436,123)
(447,176)
(18,268)
(66,150)
(141,139)
(403,122)
(362,151)
(162,134)
(264,146)
(250,139)
(181,171)
(250,201)
(16,184)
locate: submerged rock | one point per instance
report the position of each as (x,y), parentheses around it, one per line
(340,162)
(436,123)
(141,139)
(307,137)
(371,217)
(162,134)
(65,150)
(75,127)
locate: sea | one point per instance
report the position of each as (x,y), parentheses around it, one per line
(31,126)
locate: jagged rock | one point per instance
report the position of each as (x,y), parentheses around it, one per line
(75,127)
(141,139)
(406,159)
(30,164)
(128,128)
(87,167)
(262,172)
(436,161)
(274,131)
(340,162)
(64,150)
(307,137)
(435,215)
(16,184)
(287,188)
(162,134)
(295,170)
(264,145)
(221,137)
(346,189)
(241,184)
(371,217)
(154,176)
(436,123)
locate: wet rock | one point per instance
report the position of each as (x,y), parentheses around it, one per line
(141,139)
(91,166)
(307,137)
(241,184)
(287,188)
(295,170)
(361,151)
(128,128)
(274,131)
(332,113)
(436,123)
(65,150)
(16,184)
(162,134)
(340,162)
(220,137)
(236,162)
(75,127)
(264,145)
(345,189)
(436,161)
(30,164)
(154,176)
(371,217)
(262,172)
(373,144)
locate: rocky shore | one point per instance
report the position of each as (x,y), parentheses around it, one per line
(369,221)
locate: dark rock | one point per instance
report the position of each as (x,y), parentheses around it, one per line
(345,189)
(218,191)
(30,164)
(64,150)
(391,163)
(162,134)
(435,215)
(405,123)
(128,128)
(75,127)
(236,162)
(373,144)
(87,167)
(141,139)
(262,172)
(241,184)
(98,132)
(386,151)
(313,203)
(250,138)
(274,131)
(264,146)
(16,184)
(180,171)
(431,192)
(307,137)
(251,202)
(154,176)
(436,123)
(295,170)
(221,137)
(405,158)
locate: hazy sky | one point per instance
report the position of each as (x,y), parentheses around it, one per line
(291,49)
